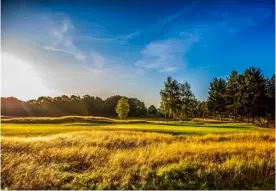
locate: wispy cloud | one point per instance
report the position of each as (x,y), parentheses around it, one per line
(131,35)
(162,22)
(123,39)
(176,15)
(166,55)
(210,66)
(117,40)
(236,23)
(96,63)
(63,41)
(168,69)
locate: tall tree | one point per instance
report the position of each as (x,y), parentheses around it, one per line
(152,111)
(202,109)
(164,108)
(187,100)
(216,98)
(255,93)
(270,98)
(137,108)
(170,97)
(231,96)
(110,104)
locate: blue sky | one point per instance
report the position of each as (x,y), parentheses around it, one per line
(105,48)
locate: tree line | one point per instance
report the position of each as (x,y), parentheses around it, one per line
(242,95)
(179,103)
(72,105)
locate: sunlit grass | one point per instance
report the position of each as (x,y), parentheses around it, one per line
(114,156)
(172,127)
(95,119)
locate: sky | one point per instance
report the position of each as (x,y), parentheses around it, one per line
(127,47)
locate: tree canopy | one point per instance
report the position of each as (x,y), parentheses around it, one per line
(122,108)
(242,95)
(69,105)
(152,111)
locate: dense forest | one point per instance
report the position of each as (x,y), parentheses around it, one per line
(247,95)
(69,105)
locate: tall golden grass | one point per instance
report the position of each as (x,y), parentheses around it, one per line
(138,160)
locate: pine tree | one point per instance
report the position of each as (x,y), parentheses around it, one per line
(216,98)
(232,90)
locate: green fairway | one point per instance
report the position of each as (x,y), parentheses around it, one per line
(172,127)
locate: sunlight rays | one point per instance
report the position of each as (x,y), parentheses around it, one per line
(20,79)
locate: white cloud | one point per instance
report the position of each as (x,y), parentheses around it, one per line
(168,69)
(167,55)
(64,43)
(93,62)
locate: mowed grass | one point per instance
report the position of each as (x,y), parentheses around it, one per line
(156,155)
(192,128)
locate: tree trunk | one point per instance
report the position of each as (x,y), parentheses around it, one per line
(267,124)
(220,117)
(234,115)
(247,118)
(242,119)
(253,119)
(261,122)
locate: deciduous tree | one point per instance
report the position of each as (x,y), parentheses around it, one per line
(122,108)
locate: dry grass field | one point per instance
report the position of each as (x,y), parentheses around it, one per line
(126,156)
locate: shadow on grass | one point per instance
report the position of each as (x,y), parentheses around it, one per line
(87,124)
(107,127)
(201,125)
(155,131)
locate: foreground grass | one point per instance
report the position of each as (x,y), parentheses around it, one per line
(114,156)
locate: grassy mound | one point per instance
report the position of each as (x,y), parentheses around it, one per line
(66,119)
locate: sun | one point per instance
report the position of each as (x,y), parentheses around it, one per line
(19,79)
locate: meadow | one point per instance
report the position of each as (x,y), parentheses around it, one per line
(135,154)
